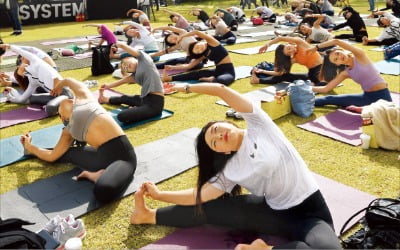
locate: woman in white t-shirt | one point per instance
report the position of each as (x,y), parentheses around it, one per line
(316,33)
(285,199)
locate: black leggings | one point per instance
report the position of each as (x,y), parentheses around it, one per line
(223,73)
(290,77)
(308,225)
(51,102)
(116,156)
(271,19)
(229,38)
(180,60)
(388,41)
(357,36)
(141,108)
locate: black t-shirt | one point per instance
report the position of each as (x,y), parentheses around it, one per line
(203,16)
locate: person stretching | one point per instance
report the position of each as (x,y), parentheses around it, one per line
(109,161)
(391,32)
(141,70)
(210,49)
(285,199)
(170,40)
(222,32)
(285,56)
(359,68)
(35,74)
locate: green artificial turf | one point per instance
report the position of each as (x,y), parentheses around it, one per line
(375,171)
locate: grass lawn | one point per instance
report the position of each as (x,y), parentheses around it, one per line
(375,171)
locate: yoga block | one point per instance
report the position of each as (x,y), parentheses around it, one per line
(277,107)
(370,130)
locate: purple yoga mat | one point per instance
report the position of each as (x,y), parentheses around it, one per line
(26,114)
(9,53)
(343,201)
(340,125)
(35,112)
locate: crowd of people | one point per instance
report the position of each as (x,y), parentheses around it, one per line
(284,198)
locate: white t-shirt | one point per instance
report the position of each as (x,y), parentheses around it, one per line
(267,165)
(266,12)
(39,73)
(237,12)
(146,38)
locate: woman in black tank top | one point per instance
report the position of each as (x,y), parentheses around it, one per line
(210,49)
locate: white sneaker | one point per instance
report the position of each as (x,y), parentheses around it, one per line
(65,231)
(52,224)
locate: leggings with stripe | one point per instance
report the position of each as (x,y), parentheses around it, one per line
(360,100)
(307,225)
(118,159)
(223,73)
(180,60)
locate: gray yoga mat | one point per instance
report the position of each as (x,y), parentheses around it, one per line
(61,194)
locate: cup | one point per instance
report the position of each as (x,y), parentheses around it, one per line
(73,244)
(365,140)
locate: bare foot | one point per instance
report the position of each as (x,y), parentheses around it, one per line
(254,79)
(102,99)
(165,77)
(91,176)
(354,109)
(258,244)
(207,79)
(365,40)
(142,214)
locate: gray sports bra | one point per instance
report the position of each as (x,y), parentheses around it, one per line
(82,116)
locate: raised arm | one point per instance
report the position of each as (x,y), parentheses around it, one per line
(295,40)
(80,90)
(358,52)
(126,79)
(128,49)
(320,19)
(136,25)
(170,28)
(183,197)
(237,101)
(17,49)
(134,10)
(210,39)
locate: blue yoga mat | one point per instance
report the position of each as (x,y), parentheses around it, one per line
(11,149)
(389,67)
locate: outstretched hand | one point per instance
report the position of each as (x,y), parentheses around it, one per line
(26,140)
(263,49)
(151,190)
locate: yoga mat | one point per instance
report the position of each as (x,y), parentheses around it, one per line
(253,50)
(61,194)
(209,237)
(172,56)
(178,71)
(240,28)
(83,55)
(242,72)
(379,49)
(26,114)
(11,149)
(9,53)
(8,61)
(389,67)
(69,40)
(340,125)
(244,40)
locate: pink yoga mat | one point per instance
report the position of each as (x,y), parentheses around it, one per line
(343,201)
(26,114)
(340,125)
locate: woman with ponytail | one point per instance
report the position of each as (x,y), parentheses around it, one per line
(285,199)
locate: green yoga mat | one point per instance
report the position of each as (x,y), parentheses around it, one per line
(11,149)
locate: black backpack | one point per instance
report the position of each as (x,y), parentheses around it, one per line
(101,61)
(380,226)
(12,235)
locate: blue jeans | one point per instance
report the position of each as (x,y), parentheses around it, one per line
(371,4)
(360,100)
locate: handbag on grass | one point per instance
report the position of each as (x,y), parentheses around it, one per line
(380,226)
(302,98)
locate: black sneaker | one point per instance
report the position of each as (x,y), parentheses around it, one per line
(16,33)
